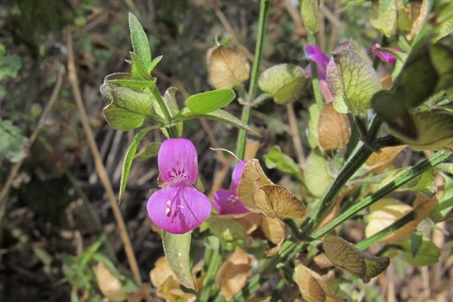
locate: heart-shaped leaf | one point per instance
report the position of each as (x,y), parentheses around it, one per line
(351,79)
(209,101)
(128,109)
(284,82)
(347,257)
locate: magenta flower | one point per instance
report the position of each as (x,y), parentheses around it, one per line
(385,56)
(178,207)
(227,201)
(316,55)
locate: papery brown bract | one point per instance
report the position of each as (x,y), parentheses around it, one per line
(334,130)
(109,284)
(232,274)
(227,66)
(379,161)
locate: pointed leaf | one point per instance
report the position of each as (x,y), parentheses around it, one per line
(150,150)
(284,82)
(416,243)
(218,115)
(128,109)
(345,256)
(177,248)
(428,253)
(209,101)
(129,158)
(354,81)
(153,64)
(139,41)
(137,70)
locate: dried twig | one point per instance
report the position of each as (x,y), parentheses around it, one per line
(97,158)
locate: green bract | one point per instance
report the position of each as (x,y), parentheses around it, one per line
(284,82)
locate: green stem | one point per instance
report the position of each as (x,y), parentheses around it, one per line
(250,288)
(172,130)
(427,164)
(354,164)
(387,231)
(246,111)
(214,263)
(314,79)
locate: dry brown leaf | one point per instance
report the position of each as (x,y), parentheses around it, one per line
(251,173)
(379,161)
(273,229)
(277,202)
(161,271)
(227,67)
(232,274)
(171,291)
(142,294)
(109,285)
(334,130)
(417,14)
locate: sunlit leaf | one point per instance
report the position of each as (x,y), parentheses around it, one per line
(276,159)
(351,79)
(232,274)
(209,101)
(347,257)
(139,41)
(384,16)
(177,248)
(418,11)
(251,173)
(316,174)
(379,161)
(333,129)
(226,228)
(227,66)
(284,82)
(161,272)
(273,229)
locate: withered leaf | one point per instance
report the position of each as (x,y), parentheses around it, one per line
(334,130)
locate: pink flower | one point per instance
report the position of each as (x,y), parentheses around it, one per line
(316,55)
(385,56)
(178,207)
(227,201)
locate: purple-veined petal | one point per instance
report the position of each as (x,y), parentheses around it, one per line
(384,56)
(178,209)
(236,177)
(177,160)
(227,202)
(315,54)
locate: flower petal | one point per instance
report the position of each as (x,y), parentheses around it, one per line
(178,209)
(178,158)
(227,202)
(236,177)
(315,54)
(384,56)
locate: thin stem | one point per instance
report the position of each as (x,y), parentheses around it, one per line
(387,231)
(427,164)
(295,134)
(208,281)
(245,117)
(314,79)
(172,130)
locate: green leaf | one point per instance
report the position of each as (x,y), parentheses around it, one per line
(316,174)
(313,125)
(284,82)
(309,11)
(425,183)
(140,42)
(416,243)
(125,79)
(347,257)
(177,249)
(226,229)
(218,115)
(275,159)
(428,253)
(137,70)
(13,143)
(129,158)
(128,109)
(10,66)
(206,102)
(445,202)
(351,80)
(384,16)
(150,150)
(153,64)
(172,106)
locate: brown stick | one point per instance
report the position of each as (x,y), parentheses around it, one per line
(97,159)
